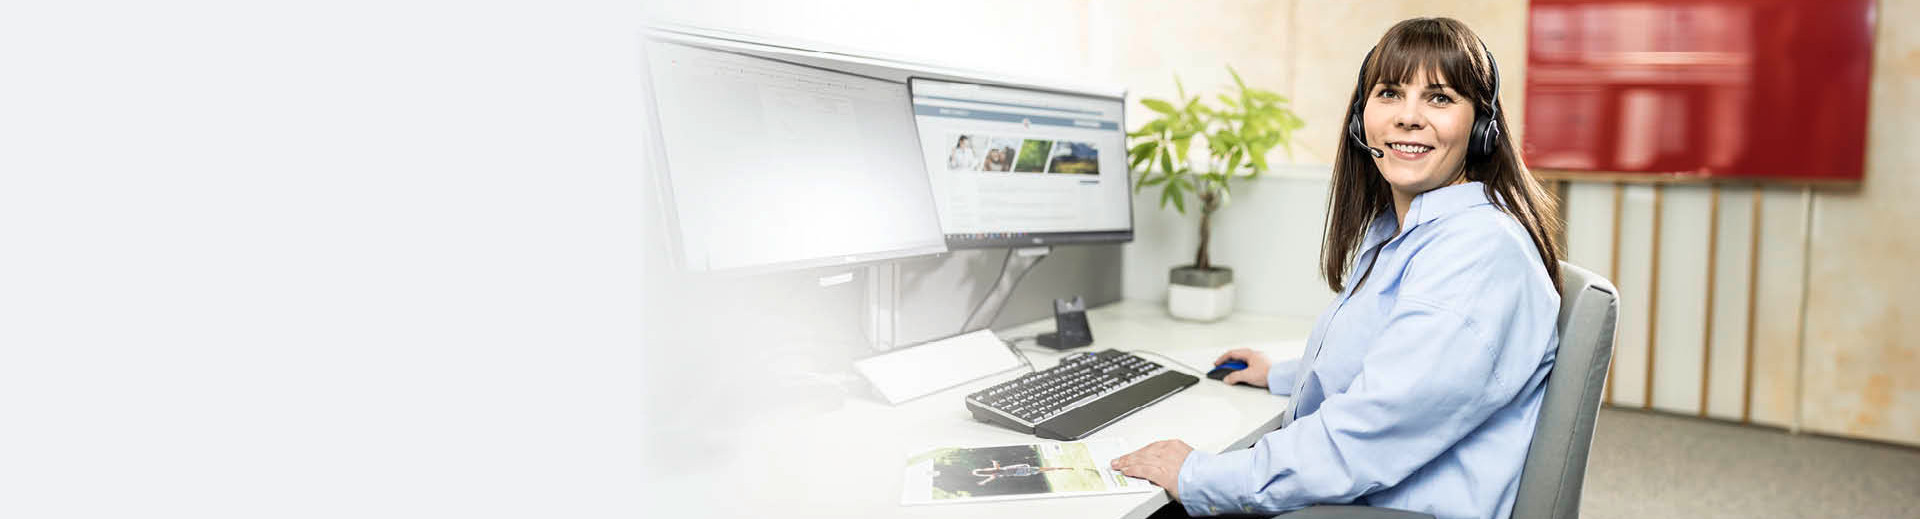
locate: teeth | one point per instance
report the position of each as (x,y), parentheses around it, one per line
(1410,148)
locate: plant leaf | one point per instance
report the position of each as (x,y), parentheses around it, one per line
(1147,178)
(1179,195)
(1172,193)
(1158,105)
(1140,153)
(1226,138)
(1152,180)
(1228,101)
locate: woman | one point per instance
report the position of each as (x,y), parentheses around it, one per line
(996,160)
(962,157)
(1421,383)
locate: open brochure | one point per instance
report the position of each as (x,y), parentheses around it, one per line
(964,475)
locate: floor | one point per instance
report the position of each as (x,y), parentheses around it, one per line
(1656,465)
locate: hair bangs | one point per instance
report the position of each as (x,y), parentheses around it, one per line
(1446,54)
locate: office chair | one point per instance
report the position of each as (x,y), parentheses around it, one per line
(1556,465)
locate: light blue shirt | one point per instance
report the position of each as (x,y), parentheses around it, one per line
(1419,389)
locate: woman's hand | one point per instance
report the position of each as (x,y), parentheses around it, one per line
(1158,463)
(1256,372)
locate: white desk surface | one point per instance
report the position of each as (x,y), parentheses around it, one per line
(847,462)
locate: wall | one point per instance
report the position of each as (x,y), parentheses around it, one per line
(1826,262)
(301,259)
(1863,332)
(1308,51)
(1832,347)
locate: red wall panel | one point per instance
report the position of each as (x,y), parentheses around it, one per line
(1746,90)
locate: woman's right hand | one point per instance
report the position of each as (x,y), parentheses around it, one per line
(1256,372)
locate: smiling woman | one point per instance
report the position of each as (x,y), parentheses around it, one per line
(1426,114)
(1421,383)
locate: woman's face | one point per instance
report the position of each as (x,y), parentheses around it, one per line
(1423,127)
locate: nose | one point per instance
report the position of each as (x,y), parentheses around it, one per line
(1408,117)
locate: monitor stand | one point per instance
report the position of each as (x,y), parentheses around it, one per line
(1019,261)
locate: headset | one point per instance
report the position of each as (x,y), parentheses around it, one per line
(1481,143)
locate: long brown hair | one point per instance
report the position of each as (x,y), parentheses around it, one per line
(1359,194)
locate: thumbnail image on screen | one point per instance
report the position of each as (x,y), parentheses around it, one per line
(1000,153)
(1074,157)
(967,153)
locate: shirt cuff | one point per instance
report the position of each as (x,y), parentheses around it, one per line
(1209,483)
(1281,376)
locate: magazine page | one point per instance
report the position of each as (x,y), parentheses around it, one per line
(1043,470)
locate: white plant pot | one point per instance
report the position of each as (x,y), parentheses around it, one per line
(1206,304)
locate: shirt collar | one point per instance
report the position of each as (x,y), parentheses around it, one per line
(1432,205)
(1427,207)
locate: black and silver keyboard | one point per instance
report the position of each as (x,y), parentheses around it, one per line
(1084,394)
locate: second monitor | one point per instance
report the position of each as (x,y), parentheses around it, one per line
(1014,167)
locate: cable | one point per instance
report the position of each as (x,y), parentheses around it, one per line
(1022,355)
(1004,262)
(1013,268)
(1058,355)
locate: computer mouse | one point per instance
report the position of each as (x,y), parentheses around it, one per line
(1220,372)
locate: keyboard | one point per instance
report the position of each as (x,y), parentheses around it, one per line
(1084,394)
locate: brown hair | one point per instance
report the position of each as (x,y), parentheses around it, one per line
(1359,194)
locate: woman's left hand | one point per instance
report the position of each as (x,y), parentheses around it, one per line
(1158,463)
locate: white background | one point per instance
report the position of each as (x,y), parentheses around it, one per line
(340,259)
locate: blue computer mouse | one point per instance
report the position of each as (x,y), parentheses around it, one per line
(1220,372)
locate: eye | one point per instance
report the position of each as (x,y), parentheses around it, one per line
(1440,99)
(1389,93)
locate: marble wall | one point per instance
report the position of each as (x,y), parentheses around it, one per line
(1862,370)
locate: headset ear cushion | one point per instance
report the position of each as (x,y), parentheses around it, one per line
(1484,136)
(1353,126)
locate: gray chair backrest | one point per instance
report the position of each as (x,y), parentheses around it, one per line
(1557,461)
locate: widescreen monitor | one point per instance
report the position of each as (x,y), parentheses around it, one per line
(775,165)
(1015,166)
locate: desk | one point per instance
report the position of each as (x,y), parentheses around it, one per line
(847,462)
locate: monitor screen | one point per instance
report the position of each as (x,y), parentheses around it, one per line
(776,165)
(1016,166)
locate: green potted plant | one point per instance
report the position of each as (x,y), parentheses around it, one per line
(1238,134)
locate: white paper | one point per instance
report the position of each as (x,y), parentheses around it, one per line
(921,370)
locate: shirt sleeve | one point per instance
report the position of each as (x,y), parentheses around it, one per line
(1281,376)
(1429,377)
